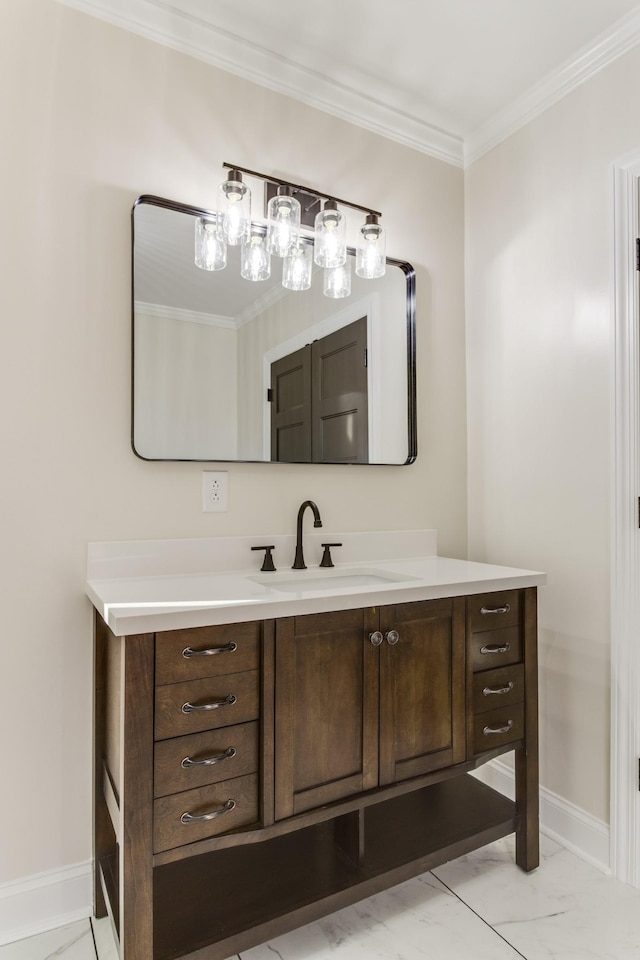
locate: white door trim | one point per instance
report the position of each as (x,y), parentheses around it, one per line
(625,561)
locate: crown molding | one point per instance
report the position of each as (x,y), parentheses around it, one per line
(158,21)
(188,316)
(610,45)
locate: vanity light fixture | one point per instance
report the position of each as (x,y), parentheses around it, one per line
(256,261)
(289,208)
(234,208)
(211,250)
(337,280)
(370,252)
(283,221)
(330,248)
(296,268)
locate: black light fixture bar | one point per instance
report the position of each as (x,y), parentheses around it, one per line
(296,186)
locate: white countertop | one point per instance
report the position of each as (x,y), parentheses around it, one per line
(154,585)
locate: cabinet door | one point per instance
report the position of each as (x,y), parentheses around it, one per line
(422,696)
(326,709)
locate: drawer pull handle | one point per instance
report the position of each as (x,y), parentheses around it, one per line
(495,648)
(375,638)
(488,730)
(486,610)
(489,691)
(209,761)
(211,705)
(200,818)
(189,652)
(392,637)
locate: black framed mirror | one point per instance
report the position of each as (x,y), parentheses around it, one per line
(228,369)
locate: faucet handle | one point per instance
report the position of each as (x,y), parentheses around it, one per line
(326,556)
(268,565)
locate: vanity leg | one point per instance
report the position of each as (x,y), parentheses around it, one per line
(136,800)
(526,758)
(101,839)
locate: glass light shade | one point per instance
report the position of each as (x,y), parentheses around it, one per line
(371,250)
(337,281)
(283,224)
(296,269)
(256,261)
(331,236)
(211,250)
(234,209)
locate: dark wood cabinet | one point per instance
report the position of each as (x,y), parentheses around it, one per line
(366,698)
(330,750)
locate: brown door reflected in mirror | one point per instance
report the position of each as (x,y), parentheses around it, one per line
(319,400)
(290,397)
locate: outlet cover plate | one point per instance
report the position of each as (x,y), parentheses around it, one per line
(215,491)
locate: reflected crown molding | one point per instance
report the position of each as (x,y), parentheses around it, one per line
(178,313)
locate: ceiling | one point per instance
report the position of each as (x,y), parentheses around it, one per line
(449,77)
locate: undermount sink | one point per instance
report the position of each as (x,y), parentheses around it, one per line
(332,579)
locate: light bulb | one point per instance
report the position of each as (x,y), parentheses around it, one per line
(330,236)
(256,262)
(283,222)
(337,280)
(296,269)
(210,248)
(370,254)
(234,209)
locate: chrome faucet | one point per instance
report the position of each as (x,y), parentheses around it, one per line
(298,563)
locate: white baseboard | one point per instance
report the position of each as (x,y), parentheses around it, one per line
(568,825)
(44,901)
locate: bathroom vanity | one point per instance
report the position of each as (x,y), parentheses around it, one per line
(270,750)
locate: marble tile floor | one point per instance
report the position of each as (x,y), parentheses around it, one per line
(480,907)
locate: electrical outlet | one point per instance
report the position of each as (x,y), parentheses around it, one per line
(215,491)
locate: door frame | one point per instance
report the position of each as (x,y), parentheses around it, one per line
(625,560)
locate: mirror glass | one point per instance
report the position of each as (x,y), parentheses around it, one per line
(231,369)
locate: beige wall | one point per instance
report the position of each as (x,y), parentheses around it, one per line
(93,117)
(539,346)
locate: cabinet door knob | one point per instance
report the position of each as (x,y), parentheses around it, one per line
(376,638)
(392,637)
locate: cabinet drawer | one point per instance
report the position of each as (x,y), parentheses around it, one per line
(495,727)
(184,763)
(495,648)
(490,611)
(228,805)
(207,704)
(207,651)
(498,688)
